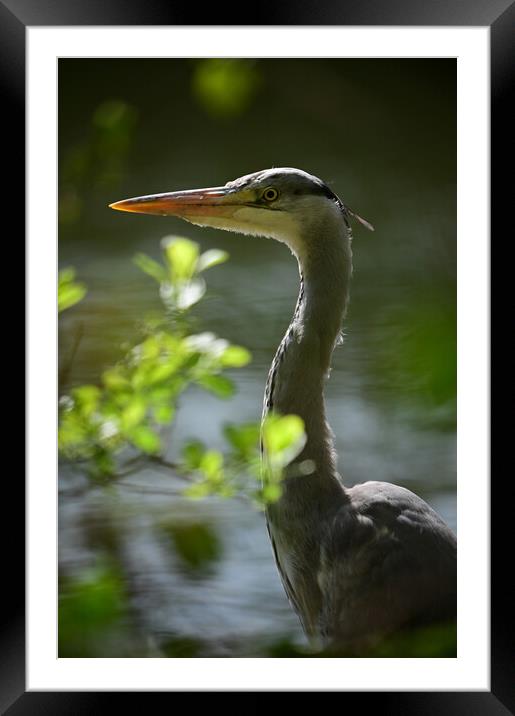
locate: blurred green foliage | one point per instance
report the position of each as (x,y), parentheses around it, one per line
(95,619)
(196,544)
(426,356)
(182,648)
(419,360)
(98,160)
(436,641)
(283,440)
(106,425)
(69,291)
(139,394)
(180,280)
(225,88)
(227,475)
(90,607)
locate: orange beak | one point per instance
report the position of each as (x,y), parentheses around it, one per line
(214,201)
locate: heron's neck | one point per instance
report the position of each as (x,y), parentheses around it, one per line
(301,364)
(325,277)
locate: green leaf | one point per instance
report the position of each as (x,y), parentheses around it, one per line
(104,463)
(67,275)
(181,255)
(71,432)
(87,398)
(211,258)
(235,357)
(164,414)
(93,602)
(211,464)
(145,439)
(220,385)
(196,544)
(69,292)
(271,492)
(192,454)
(133,414)
(114,380)
(243,438)
(198,490)
(150,348)
(283,437)
(150,267)
(86,394)
(160,372)
(161,395)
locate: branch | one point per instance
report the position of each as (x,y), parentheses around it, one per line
(66,368)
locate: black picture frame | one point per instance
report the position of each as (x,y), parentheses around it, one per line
(499,16)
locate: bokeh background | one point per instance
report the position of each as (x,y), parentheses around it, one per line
(143,571)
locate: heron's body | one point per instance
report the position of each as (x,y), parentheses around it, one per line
(356,563)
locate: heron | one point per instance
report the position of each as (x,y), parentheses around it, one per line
(358,563)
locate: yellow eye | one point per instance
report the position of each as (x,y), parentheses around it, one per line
(270,194)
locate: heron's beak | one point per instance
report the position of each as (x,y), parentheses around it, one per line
(215,201)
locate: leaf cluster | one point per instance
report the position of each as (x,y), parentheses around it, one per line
(129,413)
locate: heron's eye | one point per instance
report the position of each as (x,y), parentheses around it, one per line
(270,194)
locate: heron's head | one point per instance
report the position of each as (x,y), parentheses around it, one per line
(285,204)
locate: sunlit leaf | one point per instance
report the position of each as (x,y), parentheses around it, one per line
(271,492)
(243,438)
(69,292)
(67,275)
(70,295)
(150,267)
(134,413)
(192,454)
(198,490)
(150,348)
(283,437)
(211,258)
(87,398)
(114,380)
(235,357)
(163,414)
(220,385)
(182,255)
(145,439)
(71,433)
(160,372)
(211,464)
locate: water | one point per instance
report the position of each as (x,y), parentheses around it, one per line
(390,394)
